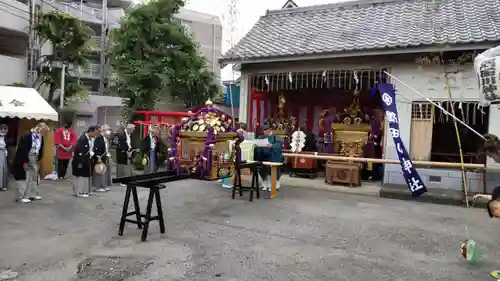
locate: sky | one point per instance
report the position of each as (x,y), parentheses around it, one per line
(248,12)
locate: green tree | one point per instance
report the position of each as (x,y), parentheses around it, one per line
(154,58)
(71,44)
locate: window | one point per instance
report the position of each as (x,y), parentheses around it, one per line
(445,146)
(421,130)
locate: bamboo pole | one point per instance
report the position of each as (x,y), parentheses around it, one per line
(459,141)
(324,156)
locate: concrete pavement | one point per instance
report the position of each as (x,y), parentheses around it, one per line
(301,235)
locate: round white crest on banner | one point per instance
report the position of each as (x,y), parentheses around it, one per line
(386,98)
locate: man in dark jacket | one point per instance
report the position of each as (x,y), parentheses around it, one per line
(125,152)
(82,162)
(99,183)
(25,166)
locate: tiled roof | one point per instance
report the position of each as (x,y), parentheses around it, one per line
(367,26)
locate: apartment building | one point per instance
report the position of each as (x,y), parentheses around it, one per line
(15,58)
(100,15)
(14,21)
(207,30)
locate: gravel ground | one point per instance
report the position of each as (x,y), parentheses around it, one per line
(301,235)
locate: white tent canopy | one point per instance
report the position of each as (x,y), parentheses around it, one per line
(25,103)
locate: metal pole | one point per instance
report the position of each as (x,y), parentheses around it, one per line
(102,45)
(31,42)
(231,93)
(63,78)
(213,45)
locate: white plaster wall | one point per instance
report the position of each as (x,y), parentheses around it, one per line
(430,81)
(493,179)
(16,70)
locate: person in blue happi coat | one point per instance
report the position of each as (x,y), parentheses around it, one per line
(272,153)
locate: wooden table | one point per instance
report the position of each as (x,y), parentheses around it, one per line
(274,177)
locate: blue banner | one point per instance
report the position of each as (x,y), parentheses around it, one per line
(410,174)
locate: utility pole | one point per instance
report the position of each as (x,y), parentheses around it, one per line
(63,82)
(31,42)
(103,44)
(232,23)
(213,44)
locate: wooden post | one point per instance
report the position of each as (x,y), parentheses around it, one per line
(274,177)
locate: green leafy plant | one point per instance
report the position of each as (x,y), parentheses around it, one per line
(154,59)
(71,44)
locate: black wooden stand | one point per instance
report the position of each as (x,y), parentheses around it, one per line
(254,167)
(152,182)
(154,194)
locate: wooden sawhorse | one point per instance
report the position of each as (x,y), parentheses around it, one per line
(152,182)
(154,194)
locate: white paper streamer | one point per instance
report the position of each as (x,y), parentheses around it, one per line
(355,74)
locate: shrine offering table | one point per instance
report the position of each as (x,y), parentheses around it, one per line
(343,173)
(274,176)
(301,162)
(302,166)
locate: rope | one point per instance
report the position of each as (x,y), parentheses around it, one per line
(436,105)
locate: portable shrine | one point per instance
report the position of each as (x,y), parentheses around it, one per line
(205,140)
(351,134)
(281,125)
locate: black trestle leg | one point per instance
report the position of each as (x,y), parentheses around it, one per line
(161,221)
(251,189)
(147,219)
(256,177)
(236,183)
(124,211)
(137,208)
(241,190)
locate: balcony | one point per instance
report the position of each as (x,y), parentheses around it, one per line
(82,12)
(14,16)
(93,71)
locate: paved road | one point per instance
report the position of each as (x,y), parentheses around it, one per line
(302,235)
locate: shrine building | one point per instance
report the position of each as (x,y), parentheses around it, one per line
(320,57)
